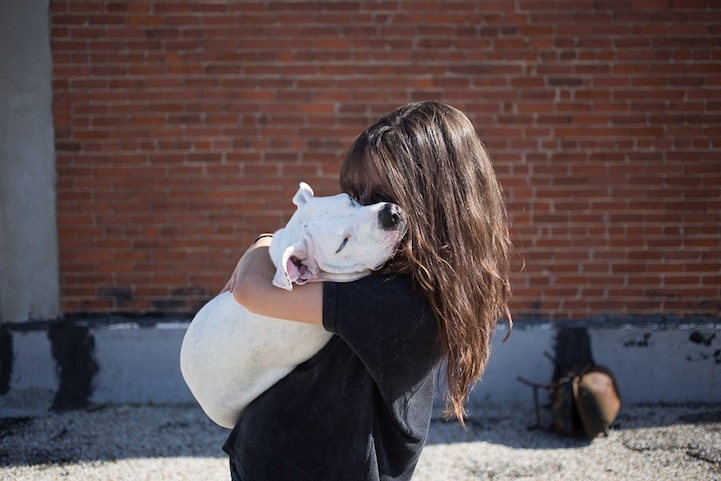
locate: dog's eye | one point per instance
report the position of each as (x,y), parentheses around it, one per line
(342,245)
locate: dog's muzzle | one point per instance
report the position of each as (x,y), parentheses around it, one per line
(390,216)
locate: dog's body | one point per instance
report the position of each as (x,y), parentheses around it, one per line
(230,356)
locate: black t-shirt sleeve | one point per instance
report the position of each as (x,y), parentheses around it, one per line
(386,323)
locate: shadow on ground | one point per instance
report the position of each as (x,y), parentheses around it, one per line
(110,433)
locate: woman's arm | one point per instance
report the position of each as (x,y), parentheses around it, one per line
(252,287)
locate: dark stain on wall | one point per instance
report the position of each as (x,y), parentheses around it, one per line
(703,340)
(74,351)
(572,351)
(6,360)
(638,342)
(698,337)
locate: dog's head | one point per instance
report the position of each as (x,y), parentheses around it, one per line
(334,238)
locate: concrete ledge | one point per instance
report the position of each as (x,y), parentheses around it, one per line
(667,362)
(136,362)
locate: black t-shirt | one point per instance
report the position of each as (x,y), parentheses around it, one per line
(360,408)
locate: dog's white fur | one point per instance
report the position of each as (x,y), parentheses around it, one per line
(230,356)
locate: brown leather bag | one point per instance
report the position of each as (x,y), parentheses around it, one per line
(597,399)
(583,403)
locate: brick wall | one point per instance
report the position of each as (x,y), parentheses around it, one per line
(183,128)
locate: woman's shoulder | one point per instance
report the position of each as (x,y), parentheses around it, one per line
(377,303)
(377,288)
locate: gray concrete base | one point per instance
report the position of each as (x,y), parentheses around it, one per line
(654,363)
(135,365)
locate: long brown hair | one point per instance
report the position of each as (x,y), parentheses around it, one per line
(428,158)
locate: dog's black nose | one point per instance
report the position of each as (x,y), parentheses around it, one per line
(389,216)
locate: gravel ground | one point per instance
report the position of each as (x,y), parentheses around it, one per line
(179,443)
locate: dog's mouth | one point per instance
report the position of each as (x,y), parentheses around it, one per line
(298,271)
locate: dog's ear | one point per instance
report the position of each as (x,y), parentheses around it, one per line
(303,195)
(291,269)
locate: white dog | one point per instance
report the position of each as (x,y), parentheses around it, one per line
(230,356)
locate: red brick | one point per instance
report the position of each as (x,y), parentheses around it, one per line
(167,115)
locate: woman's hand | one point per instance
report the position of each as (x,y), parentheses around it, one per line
(241,267)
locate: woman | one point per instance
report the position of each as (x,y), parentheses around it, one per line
(361,408)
